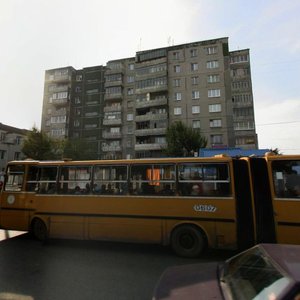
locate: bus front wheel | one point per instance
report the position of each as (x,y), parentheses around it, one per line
(39,230)
(187,241)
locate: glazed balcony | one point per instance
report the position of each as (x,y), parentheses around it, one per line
(151,117)
(151,103)
(153,131)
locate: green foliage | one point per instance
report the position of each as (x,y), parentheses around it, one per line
(77,149)
(183,140)
(37,145)
(276,151)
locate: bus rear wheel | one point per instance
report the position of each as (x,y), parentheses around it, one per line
(39,229)
(187,241)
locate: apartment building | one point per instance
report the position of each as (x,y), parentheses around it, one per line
(123,109)
(11,139)
(242,100)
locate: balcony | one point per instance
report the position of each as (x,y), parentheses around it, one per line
(151,103)
(112,108)
(111,148)
(151,117)
(153,131)
(152,89)
(112,122)
(145,147)
(61,78)
(112,135)
(113,96)
(58,102)
(113,83)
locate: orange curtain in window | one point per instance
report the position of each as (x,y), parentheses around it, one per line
(154,176)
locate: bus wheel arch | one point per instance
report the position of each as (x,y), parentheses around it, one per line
(188,240)
(39,229)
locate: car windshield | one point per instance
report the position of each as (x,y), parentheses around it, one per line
(251,275)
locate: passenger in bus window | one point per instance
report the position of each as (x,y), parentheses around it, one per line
(297,190)
(109,190)
(96,189)
(77,190)
(51,188)
(87,188)
(166,191)
(196,190)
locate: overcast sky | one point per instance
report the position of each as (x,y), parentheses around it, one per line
(37,35)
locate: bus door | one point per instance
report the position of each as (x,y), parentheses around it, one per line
(244,212)
(263,207)
(285,184)
(14,206)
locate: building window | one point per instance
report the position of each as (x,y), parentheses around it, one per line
(131,67)
(17,155)
(195,94)
(176,55)
(176,82)
(2,154)
(196,124)
(177,96)
(78,77)
(18,140)
(194,66)
(214,93)
(195,109)
(130,79)
(213,64)
(77,90)
(216,139)
(77,100)
(129,117)
(177,111)
(2,136)
(130,91)
(76,123)
(195,80)
(177,69)
(213,78)
(215,123)
(239,59)
(212,108)
(130,129)
(211,50)
(194,52)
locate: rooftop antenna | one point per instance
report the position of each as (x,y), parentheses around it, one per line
(140,45)
(169,41)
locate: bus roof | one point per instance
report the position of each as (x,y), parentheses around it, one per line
(218,158)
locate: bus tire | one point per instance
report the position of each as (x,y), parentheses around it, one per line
(39,230)
(188,241)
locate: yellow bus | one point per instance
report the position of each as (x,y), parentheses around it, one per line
(275,181)
(187,203)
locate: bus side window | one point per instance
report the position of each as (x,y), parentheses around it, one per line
(14,178)
(47,180)
(286,178)
(32,179)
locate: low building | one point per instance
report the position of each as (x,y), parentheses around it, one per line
(10,144)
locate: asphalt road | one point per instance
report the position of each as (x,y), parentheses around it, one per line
(68,269)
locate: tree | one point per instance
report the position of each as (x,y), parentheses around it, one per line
(183,140)
(275,151)
(77,149)
(37,145)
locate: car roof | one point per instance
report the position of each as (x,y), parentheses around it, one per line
(286,256)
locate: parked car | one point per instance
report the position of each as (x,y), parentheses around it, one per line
(265,271)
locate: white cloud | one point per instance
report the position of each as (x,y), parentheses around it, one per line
(278,125)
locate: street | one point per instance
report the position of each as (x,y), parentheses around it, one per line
(70,269)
